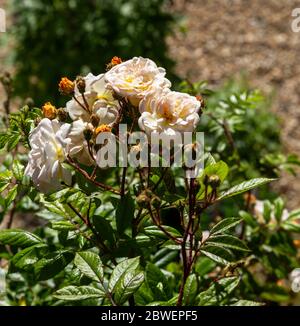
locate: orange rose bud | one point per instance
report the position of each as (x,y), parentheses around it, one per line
(201,100)
(114,61)
(66,86)
(49,111)
(296,243)
(102,128)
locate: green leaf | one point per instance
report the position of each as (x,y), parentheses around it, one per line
(227,241)
(157,283)
(278,208)
(124,213)
(18,237)
(3,187)
(218,254)
(11,195)
(18,170)
(5,176)
(28,256)
(218,291)
(204,265)
(190,290)
(127,285)
(121,269)
(90,265)
(247,303)
(243,187)
(104,229)
(13,140)
(77,293)
(225,224)
(153,230)
(62,226)
(292,226)
(52,264)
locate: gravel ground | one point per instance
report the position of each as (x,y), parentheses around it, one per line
(226,37)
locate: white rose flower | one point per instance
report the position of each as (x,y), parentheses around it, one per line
(169,112)
(135,78)
(99,101)
(48,152)
(77,145)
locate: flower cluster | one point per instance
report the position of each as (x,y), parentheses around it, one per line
(98,104)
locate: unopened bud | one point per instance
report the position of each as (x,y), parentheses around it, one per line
(49,111)
(102,128)
(155,201)
(62,115)
(66,86)
(95,120)
(201,100)
(144,198)
(80,83)
(88,134)
(213,181)
(114,61)
(296,243)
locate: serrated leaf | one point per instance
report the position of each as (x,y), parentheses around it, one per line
(224,225)
(243,187)
(77,293)
(90,265)
(190,290)
(120,270)
(218,254)
(127,285)
(218,291)
(227,241)
(18,237)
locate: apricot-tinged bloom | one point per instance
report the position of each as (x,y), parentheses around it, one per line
(49,111)
(48,152)
(66,86)
(135,78)
(96,99)
(169,112)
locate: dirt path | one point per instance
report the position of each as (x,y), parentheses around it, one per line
(227,37)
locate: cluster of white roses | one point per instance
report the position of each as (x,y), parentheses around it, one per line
(95,107)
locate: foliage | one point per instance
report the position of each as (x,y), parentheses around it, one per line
(161,241)
(83,36)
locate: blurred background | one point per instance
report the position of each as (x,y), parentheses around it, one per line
(245,42)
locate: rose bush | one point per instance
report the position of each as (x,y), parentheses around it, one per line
(141,235)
